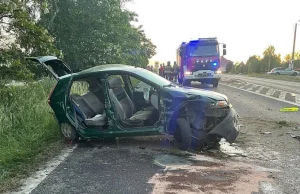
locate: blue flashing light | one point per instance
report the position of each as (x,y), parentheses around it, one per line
(215,64)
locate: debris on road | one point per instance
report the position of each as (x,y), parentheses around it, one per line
(266,133)
(291,109)
(296,136)
(283,123)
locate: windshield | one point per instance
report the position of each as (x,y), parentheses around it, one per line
(203,51)
(152,77)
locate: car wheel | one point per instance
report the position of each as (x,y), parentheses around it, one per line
(69,132)
(277,73)
(213,141)
(183,134)
(215,84)
(294,74)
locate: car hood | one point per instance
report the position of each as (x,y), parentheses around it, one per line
(178,91)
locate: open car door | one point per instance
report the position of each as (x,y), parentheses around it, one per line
(52,64)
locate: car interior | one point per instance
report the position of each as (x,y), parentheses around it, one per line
(134,107)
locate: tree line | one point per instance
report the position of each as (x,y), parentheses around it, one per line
(269,60)
(84,33)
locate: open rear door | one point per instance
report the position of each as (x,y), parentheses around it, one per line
(52,64)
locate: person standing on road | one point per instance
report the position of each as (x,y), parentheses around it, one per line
(163,71)
(168,70)
(160,70)
(176,71)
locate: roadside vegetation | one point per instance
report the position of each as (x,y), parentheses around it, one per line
(27,130)
(98,32)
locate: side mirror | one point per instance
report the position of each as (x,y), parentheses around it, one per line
(224,51)
(224,46)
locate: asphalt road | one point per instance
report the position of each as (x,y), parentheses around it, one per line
(105,167)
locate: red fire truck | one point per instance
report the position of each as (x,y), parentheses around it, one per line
(199,60)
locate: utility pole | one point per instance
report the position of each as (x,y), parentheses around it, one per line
(291,65)
(269,62)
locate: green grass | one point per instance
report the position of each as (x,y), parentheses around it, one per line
(277,77)
(28,131)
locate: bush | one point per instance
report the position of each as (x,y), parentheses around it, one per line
(27,127)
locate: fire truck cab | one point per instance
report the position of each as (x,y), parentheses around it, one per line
(199,60)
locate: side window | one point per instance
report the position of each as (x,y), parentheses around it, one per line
(79,87)
(138,85)
(117,76)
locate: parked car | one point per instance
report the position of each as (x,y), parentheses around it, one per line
(283,71)
(119,100)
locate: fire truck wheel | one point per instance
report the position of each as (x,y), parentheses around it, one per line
(186,83)
(179,80)
(215,84)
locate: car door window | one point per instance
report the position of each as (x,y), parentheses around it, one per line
(140,87)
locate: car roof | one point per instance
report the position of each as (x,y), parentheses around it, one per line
(109,67)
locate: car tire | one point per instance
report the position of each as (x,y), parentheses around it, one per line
(277,73)
(69,133)
(294,74)
(215,84)
(183,134)
(213,141)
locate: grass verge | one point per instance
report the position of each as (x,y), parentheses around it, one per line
(277,77)
(28,132)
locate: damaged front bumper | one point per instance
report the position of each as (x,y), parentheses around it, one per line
(228,128)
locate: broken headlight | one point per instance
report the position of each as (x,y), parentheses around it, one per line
(221,104)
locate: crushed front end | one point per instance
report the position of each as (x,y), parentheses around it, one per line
(208,119)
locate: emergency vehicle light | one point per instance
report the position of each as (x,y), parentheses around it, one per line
(215,64)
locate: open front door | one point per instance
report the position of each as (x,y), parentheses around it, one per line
(53,65)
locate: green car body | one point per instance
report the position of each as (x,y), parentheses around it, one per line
(174,101)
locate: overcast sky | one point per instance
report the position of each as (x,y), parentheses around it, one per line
(246,26)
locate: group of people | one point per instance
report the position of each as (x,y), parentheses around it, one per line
(150,68)
(169,72)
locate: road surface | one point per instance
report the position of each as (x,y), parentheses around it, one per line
(264,159)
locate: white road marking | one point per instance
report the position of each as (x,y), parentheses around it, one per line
(32,182)
(259,89)
(278,99)
(270,92)
(282,95)
(251,88)
(297,99)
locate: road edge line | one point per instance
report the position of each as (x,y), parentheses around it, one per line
(33,181)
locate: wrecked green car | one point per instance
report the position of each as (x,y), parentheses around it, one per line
(119,100)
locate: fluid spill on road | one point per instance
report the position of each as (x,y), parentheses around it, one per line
(204,174)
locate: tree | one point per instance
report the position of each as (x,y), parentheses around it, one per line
(254,64)
(270,59)
(20,34)
(94,32)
